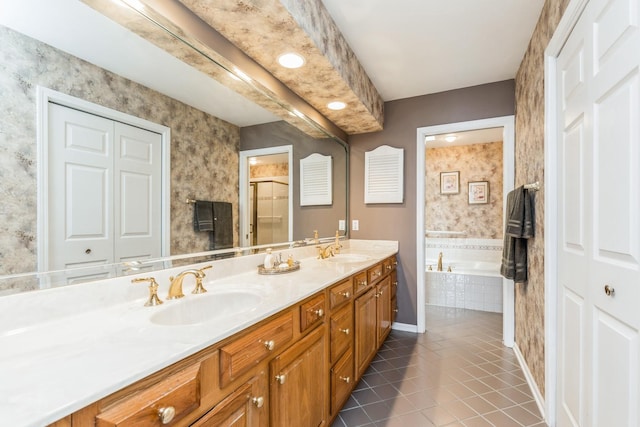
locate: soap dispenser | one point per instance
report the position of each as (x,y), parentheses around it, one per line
(269,259)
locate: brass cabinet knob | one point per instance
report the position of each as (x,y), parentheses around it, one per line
(167,414)
(258,401)
(389,267)
(281,378)
(345,331)
(88,251)
(395,310)
(362,283)
(319,312)
(270,345)
(609,290)
(345,294)
(346,379)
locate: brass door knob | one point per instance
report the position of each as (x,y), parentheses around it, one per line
(167,414)
(609,290)
(281,378)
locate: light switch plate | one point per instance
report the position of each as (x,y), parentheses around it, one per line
(342,225)
(355,225)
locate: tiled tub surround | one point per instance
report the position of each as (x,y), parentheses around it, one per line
(65,348)
(474,282)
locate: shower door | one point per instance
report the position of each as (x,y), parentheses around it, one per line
(269,212)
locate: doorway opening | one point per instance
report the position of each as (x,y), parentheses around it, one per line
(460,186)
(266,195)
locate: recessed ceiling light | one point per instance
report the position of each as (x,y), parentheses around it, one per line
(450,138)
(336,105)
(291,60)
(429,138)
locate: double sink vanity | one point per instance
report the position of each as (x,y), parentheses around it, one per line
(258,350)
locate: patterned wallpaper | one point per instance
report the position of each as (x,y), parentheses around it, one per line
(204,149)
(477,162)
(269,170)
(529,168)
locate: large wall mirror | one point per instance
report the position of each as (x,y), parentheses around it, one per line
(71,49)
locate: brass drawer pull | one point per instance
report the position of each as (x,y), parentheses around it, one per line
(345,331)
(609,290)
(319,312)
(345,294)
(395,310)
(167,414)
(346,379)
(281,378)
(389,267)
(362,283)
(258,401)
(270,345)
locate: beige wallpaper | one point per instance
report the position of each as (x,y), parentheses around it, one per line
(529,168)
(269,170)
(204,149)
(478,162)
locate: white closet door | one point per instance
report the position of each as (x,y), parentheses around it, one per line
(137,193)
(107,202)
(599,218)
(80,189)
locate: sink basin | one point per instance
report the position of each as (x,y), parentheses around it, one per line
(211,306)
(348,258)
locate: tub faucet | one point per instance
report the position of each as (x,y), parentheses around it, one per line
(440,261)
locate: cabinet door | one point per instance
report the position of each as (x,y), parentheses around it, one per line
(245,407)
(366,330)
(299,383)
(383,295)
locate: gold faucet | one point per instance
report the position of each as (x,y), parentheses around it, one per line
(325,252)
(337,246)
(175,289)
(153,290)
(440,262)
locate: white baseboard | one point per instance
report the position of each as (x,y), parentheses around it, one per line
(532,383)
(404,327)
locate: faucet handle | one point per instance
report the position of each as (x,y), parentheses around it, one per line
(199,289)
(153,290)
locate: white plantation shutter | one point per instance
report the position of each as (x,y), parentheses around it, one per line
(383,180)
(315,180)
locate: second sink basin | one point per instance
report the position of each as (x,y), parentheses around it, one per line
(348,258)
(194,309)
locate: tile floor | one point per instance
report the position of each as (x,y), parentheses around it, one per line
(457,374)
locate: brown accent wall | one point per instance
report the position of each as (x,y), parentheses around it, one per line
(452,212)
(530,298)
(269,170)
(402,118)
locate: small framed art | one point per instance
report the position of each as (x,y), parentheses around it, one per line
(450,182)
(478,192)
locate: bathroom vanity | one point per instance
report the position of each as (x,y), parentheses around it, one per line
(254,350)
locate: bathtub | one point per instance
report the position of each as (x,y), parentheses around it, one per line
(474,285)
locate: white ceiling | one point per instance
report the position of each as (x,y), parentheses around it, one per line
(417,47)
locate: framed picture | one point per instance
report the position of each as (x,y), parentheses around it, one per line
(478,192)
(450,182)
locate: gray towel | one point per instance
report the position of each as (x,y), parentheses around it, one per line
(203,216)
(519,227)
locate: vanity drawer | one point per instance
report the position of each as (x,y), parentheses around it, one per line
(312,312)
(341,331)
(180,391)
(341,381)
(374,273)
(247,351)
(360,282)
(389,264)
(340,294)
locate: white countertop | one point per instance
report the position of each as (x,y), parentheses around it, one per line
(62,349)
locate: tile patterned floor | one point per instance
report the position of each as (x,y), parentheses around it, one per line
(457,374)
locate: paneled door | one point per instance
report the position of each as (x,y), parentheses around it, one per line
(598,156)
(104,190)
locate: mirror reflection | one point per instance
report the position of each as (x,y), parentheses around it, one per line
(204,138)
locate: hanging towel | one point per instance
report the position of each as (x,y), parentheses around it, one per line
(203,216)
(222,236)
(519,227)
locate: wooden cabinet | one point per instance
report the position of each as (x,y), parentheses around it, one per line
(248,406)
(365,313)
(293,368)
(298,387)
